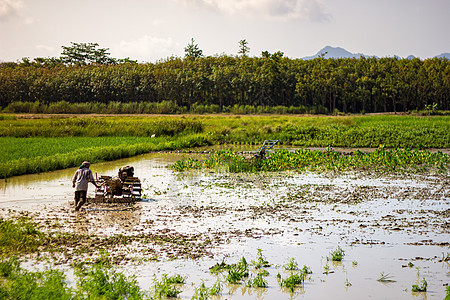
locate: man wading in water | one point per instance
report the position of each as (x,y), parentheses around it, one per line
(80,182)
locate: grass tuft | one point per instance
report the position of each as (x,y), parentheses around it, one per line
(421,287)
(336,255)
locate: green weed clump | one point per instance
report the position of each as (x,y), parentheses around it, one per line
(98,281)
(258,281)
(292,265)
(104,282)
(202,292)
(165,288)
(238,271)
(19,236)
(18,283)
(260,261)
(219,267)
(336,255)
(420,288)
(292,281)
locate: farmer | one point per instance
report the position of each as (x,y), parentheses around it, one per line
(80,182)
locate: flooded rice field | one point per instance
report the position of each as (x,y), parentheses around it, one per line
(396,225)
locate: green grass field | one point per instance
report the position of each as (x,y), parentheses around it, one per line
(37,145)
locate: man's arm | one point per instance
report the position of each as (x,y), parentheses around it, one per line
(92,179)
(74,178)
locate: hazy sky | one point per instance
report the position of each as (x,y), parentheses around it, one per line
(149,30)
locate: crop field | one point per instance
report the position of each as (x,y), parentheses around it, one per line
(36,145)
(216,223)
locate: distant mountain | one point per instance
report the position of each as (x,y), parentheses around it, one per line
(444,55)
(338,52)
(335,52)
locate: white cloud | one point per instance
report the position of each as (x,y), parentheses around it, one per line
(10,8)
(311,10)
(147,48)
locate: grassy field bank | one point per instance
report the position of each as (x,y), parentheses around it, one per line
(37,145)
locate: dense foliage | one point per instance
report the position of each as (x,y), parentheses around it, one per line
(222,82)
(381,160)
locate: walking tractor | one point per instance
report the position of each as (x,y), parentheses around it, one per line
(268,144)
(124,188)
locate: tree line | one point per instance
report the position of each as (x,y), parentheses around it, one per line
(223,81)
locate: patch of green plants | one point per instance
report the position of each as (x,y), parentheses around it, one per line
(19,236)
(306,270)
(202,292)
(381,160)
(235,272)
(7,117)
(95,281)
(238,271)
(18,283)
(258,281)
(219,267)
(292,265)
(336,255)
(292,281)
(215,289)
(420,287)
(166,287)
(260,261)
(348,131)
(102,281)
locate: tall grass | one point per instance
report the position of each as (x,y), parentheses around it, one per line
(96,127)
(163,107)
(19,236)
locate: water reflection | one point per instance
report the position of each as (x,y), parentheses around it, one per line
(28,191)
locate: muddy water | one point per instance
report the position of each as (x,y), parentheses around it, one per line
(382,222)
